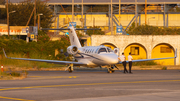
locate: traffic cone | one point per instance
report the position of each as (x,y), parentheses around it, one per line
(2,68)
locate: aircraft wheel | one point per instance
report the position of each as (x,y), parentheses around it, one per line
(112,69)
(109,70)
(70,70)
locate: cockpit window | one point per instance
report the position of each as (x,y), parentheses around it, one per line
(102,50)
(97,50)
(109,50)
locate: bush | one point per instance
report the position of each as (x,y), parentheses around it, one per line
(15,74)
(147,63)
(43,49)
(164,68)
(152,30)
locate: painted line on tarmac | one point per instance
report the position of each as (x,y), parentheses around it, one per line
(51,77)
(35,76)
(17,99)
(88,84)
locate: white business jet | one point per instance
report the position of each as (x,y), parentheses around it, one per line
(90,56)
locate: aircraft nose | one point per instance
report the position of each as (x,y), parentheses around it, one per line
(111,59)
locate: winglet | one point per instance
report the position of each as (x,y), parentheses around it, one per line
(175,53)
(4,53)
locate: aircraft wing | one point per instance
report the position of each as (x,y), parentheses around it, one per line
(48,61)
(69,28)
(140,60)
(151,59)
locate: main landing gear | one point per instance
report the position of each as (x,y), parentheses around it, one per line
(70,68)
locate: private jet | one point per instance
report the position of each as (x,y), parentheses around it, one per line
(88,56)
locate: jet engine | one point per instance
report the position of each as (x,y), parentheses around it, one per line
(116,51)
(72,50)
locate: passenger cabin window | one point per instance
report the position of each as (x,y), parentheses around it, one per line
(102,50)
(109,50)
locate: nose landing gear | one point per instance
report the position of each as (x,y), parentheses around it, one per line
(111,69)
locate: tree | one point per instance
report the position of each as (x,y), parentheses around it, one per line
(24,10)
(2,2)
(152,30)
(95,32)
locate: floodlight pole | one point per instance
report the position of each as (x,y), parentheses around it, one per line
(39,20)
(72,10)
(136,13)
(111,19)
(7,16)
(35,13)
(82,23)
(8,20)
(82,15)
(119,12)
(145,12)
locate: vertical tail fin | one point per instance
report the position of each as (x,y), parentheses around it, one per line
(73,37)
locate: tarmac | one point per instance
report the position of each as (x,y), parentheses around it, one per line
(140,97)
(93,84)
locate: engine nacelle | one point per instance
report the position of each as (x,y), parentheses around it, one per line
(116,51)
(72,50)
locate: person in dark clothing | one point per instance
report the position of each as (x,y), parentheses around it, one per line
(122,58)
(130,58)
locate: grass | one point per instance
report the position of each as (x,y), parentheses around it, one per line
(146,63)
(10,76)
(164,68)
(145,67)
(24,63)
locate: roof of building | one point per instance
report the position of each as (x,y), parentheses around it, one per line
(103,1)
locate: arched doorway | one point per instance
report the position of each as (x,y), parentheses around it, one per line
(110,45)
(163,50)
(137,50)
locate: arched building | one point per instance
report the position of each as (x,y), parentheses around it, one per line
(143,46)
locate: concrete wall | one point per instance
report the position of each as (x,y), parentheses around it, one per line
(102,19)
(149,42)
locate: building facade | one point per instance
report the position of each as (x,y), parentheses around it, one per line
(143,46)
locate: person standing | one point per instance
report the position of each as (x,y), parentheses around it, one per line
(130,58)
(122,58)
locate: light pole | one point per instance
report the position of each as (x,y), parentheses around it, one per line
(8,20)
(39,20)
(150,18)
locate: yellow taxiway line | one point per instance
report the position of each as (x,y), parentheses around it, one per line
(88,84)
(51,77)
(17,99)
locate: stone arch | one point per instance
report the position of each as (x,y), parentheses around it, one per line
(162,50)
(165,44)
(110,45)
(137,50)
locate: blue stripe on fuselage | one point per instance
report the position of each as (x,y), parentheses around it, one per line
(86,55)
